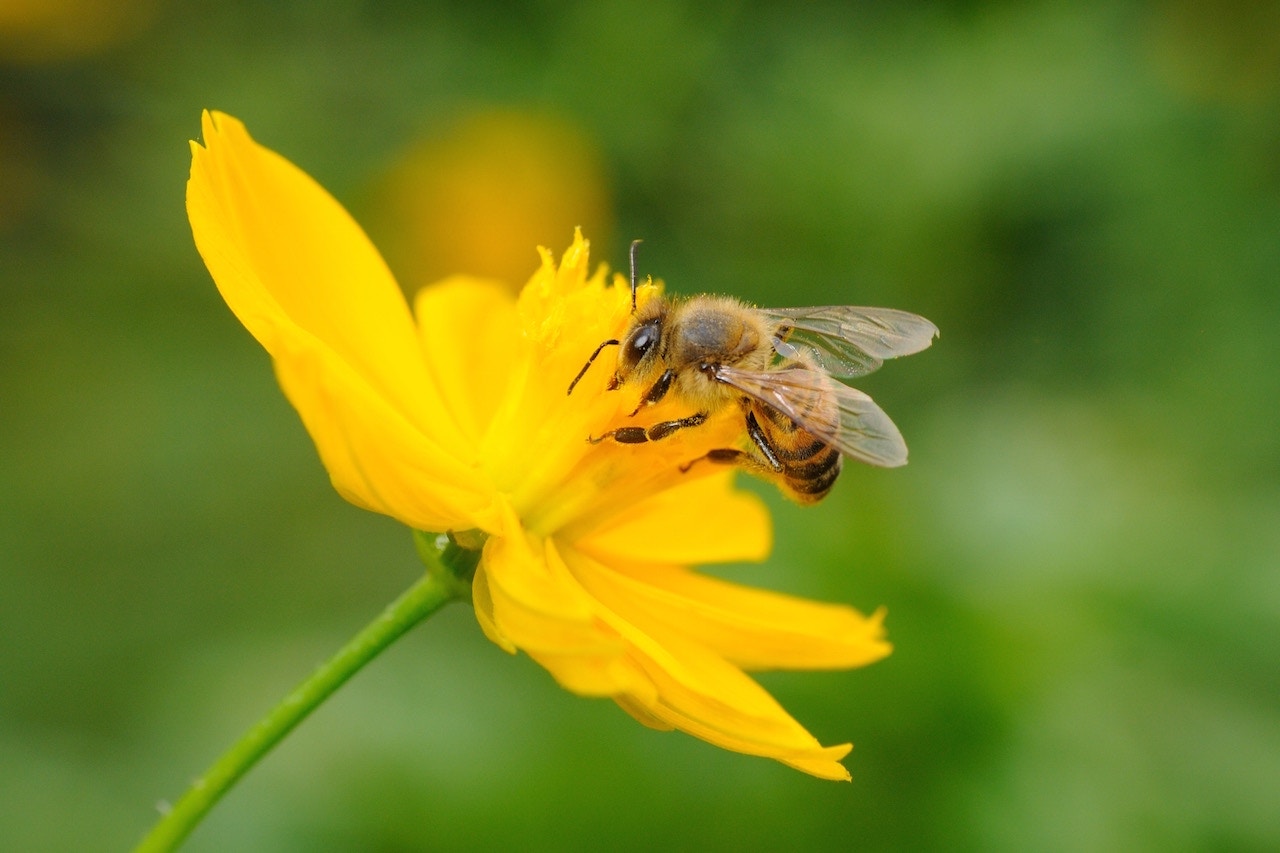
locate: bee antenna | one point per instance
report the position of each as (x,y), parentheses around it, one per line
(634,245)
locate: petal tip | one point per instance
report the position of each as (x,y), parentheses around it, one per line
(824,763)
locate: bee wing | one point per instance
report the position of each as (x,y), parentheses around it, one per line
(862,430)
(846,341)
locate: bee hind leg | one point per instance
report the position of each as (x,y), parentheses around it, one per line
(770,459)
(720,456)
(748,462)
(765,461)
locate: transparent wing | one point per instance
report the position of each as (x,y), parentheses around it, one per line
(846,341)
(841,416)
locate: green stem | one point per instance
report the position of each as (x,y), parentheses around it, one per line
(448,578)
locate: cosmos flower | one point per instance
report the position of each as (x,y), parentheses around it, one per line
(454,417)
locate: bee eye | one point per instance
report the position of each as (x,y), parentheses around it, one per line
(640,343)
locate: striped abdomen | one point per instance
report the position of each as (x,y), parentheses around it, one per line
(805,466)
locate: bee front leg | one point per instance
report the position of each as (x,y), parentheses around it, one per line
(657,391)
(657,432)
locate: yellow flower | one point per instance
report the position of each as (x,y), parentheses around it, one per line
(455,418)
(478,196)
(34,32)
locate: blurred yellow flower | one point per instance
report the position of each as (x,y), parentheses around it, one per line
(458,420)
(475,198)
(1225,51)
(41,31)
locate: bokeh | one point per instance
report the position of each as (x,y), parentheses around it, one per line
(1081,565)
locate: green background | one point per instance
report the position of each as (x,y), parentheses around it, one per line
(1080,563)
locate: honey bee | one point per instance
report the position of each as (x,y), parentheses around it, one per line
(781,367)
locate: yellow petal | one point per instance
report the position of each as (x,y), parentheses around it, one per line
(640,710)
(702,520)
(470,337)
(705,696)
(754,629)
(697,690)
(482,600)
(306,282)
(539,300)
(532,602)
(374,458)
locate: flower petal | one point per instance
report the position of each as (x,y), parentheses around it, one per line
(482,601)
(374,458)
(703,695)
(470,338)
(752,628)
(532,602)
(306,282)
(697,690)
(702,520)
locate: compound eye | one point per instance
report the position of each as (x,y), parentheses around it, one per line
(639,344)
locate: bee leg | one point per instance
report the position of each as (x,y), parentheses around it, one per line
(657,432)
(665,428)
(721,456)
(766,462)
(761,441)
(657,391)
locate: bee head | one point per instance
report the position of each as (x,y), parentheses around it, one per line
(641,339)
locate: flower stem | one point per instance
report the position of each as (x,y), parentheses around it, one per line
(447,579)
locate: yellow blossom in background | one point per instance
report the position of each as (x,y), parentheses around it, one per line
(1227,51)
(474,198)
(40,31)
(454,417)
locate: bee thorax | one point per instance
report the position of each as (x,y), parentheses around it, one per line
(710,337)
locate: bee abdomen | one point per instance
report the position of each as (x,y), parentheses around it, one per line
(804,452)
(809,482)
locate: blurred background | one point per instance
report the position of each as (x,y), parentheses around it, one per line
(1080,564)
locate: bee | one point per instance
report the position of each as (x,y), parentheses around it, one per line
(781,367)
